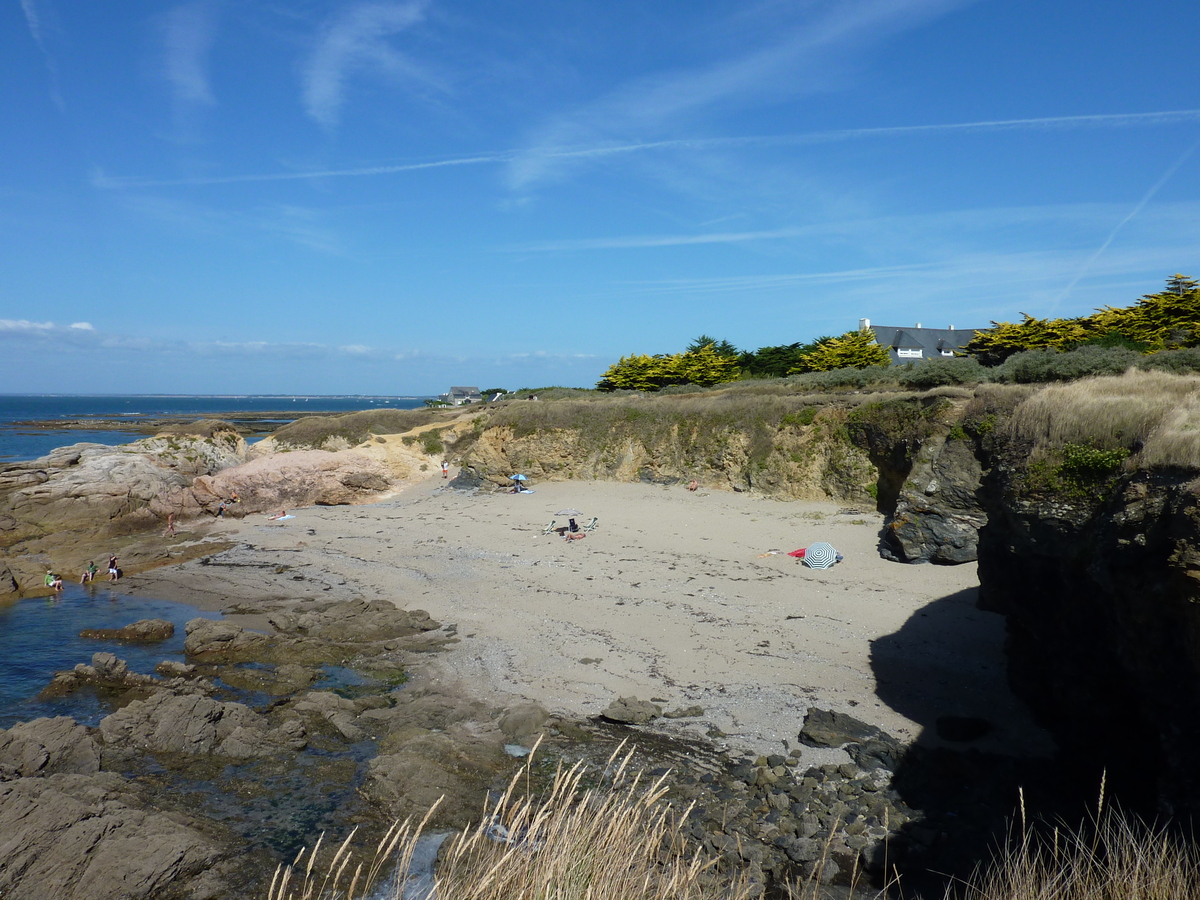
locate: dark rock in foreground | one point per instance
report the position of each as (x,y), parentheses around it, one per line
(85,837)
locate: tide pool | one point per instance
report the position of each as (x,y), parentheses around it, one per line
(40,636)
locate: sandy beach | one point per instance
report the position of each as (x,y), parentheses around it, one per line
(671,598)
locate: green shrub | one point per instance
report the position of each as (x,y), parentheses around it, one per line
(1085,464)
(938,372)
(1041,366)
(802,417)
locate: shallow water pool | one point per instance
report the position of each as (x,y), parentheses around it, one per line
(40,636)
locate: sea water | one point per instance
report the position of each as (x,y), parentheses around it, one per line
(19,443)
(40,636)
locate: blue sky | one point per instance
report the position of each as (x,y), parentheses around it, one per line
(391,197)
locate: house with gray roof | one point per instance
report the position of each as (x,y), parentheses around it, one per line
(461,396)
(917,344)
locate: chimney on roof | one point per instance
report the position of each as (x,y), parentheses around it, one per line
(864,324)
(949,327)
(918,325)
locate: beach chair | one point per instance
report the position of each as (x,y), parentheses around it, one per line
(591,526)
(549,528)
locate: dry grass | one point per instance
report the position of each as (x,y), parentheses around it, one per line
(1120,858)
(1154,414)
(616,842)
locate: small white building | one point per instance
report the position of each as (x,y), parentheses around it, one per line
(461,396)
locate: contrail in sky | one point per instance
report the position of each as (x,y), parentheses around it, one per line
(1111,120)
(1166,176)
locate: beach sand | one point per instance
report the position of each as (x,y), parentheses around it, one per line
(670,598)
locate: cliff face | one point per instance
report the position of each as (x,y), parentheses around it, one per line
(1103,609)
(811,461)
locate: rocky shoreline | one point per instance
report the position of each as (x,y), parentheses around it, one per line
(338,700)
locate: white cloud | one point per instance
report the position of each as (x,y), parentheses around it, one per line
(83,326)
(25,325)
(188,33)
(355,41)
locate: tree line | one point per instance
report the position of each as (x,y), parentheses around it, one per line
(1165,320)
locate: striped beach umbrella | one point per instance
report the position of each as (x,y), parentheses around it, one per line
(820,555)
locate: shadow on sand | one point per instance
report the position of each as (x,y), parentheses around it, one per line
(979,751)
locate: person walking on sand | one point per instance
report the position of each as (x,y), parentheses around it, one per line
(445,469)
(170,525)
(113,572)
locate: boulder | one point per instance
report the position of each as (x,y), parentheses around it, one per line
(632,711)
(209,639)
(194,724)
(78,837)
(49,747)
(524,722)
(429,766)
(825,728)
(296,479)
(145,631)
(356,621)
(106,672)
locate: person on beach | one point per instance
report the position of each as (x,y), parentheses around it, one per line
(113,572)
(692,485)
(54,582)
(221,509)
(282,514)
(445,469)
(170,525)
(89,574)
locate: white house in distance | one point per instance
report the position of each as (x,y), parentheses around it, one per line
(461,396)
(916,344)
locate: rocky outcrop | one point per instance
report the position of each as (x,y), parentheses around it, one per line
(91,485)
(82,502)
(1102,597)
(929,477)
(194,724)
(300,478)
(80,837)
(106,672)
(48,747)
(356,620)
(144,631)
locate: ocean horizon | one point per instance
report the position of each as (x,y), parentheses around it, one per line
(20,442)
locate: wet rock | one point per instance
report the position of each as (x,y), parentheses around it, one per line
(825,728)
(49,747)
(106,672)
(77,837)
(145,631)
(632,711)
(172,669)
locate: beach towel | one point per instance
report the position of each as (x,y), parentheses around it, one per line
(799,554)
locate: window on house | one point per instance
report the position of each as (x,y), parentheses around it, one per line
(904,353)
